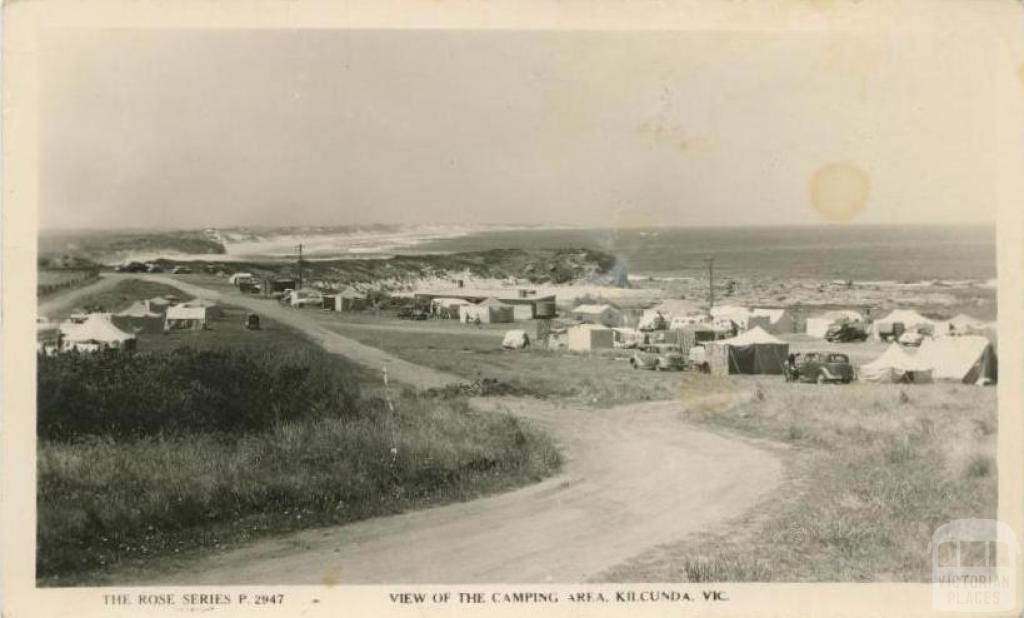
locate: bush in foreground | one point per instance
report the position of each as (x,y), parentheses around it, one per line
(136,486)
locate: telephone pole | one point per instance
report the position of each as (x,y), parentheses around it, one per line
(710,261)
(299,286)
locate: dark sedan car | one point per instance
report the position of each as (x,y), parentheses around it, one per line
(821,367)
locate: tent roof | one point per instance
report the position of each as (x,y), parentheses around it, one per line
(184,312)
(753,336)
(492,302)
(451,301)
(952,357)
(906,316)
(895,357)
(159,300)
(839,314)
(773,315)
(96,327)
(350,293)
(591,309)
(590,327)
(138,309)
(728,310)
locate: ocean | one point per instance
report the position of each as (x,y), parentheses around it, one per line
(854,252)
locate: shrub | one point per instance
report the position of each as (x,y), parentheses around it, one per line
(186,391)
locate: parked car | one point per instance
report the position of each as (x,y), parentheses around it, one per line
(658,359)
(412,313)
(821,367)
(181,270)
(845,332)
(131,267)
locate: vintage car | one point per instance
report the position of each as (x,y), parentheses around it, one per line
(845,332)
(658,358)
(412,313)
(820,367)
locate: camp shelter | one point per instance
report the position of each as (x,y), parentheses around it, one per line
(605,314)
(779,320)
(970,359)
(239,278)
(182,317)
(817,326)
(157,304)
(752,352)
(586,337)
(447,307)
(695,334)
(349,299)
(895,366)
(487,311)
(961,324)
(138,309)
(96,332)
(213,310)
(515,340)
(628,337)
(899,322)
(744,318)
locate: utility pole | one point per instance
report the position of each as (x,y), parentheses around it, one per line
(300,268)
(710,261)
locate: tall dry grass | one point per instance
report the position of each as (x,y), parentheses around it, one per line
(875,469)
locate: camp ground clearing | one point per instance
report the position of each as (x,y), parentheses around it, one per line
(917,423)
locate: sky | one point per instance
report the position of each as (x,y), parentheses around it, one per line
(198,128)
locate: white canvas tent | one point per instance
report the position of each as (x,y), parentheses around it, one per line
(182,317)
(961,324)
(586,337)
(970,359)
(139,309)
(895,365)
(96,332)
(515,340)
(779,320)
(237,278)
(488,311)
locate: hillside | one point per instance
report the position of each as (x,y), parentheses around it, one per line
(535,266)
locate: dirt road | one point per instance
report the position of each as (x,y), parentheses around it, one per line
(635,477)
(63,301)
(302,321)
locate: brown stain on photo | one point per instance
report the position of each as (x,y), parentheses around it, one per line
(331,577)
(839,192)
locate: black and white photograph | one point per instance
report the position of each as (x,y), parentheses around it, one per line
(520,309)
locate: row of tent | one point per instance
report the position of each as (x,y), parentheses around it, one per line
(91,332)
(970,359)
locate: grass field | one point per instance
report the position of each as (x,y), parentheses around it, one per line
(106,500)
(593,379)
(875,470)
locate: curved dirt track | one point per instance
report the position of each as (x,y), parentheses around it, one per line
(635,476)
(375,358)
